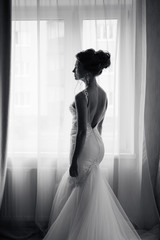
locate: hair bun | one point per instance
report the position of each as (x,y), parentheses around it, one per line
(104,58)
(94,61)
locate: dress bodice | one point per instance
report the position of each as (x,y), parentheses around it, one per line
(74,119)
(73,112)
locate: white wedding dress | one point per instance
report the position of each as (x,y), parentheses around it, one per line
(85,208)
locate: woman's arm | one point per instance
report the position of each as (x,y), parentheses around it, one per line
(81,107)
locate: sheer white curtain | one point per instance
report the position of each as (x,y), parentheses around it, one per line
(46,35)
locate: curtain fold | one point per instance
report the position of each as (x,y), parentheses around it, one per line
(149,216)
(157,187)
(5,42)
(152,109)
(46,35)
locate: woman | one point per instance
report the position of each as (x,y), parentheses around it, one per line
(85,207)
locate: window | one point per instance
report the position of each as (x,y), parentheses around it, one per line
(42,66)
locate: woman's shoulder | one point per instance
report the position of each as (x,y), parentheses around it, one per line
(103,93)
(104,97)
(81,96)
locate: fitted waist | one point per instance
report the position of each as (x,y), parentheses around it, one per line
(74,129)
(91,132)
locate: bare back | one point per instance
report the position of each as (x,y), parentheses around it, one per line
(97,105)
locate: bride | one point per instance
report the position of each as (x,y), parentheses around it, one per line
(85,207)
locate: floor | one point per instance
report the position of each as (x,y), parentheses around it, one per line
(153,234)
(23,231)
(31,232)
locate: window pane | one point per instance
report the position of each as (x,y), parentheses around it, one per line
(36,88)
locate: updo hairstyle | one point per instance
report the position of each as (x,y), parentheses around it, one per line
(94,61)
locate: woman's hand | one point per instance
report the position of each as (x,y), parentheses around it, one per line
(73,170)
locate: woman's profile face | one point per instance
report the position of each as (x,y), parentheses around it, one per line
(79,71)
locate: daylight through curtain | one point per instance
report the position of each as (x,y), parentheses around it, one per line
(46,35)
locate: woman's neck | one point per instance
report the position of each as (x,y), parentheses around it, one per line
(92,83)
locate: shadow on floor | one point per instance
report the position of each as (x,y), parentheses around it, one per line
(20,231)
(153,234)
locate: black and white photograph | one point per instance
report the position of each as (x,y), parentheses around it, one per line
(79,120)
